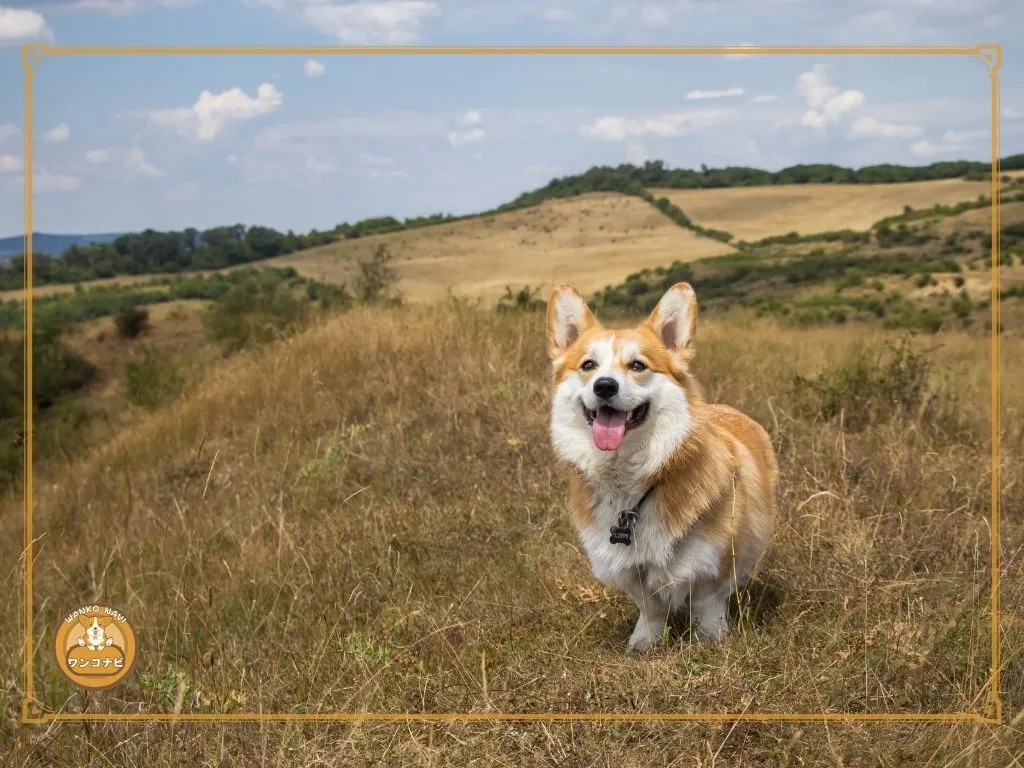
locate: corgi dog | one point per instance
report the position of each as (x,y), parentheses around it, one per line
(672,497)
(96,637)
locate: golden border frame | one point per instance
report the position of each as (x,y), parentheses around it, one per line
(991,55)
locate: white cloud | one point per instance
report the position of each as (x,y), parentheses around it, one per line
(1010,114)
(673,124)
(825,102)
(97,156)
(386,173)
(136,164)
(182,192)
(211,112)
(58,135)
(369,159)
(314,68)
(319,166)
(380,167)
(471,136)
(22,25)
(231,159)
(10,163)
(869,127)
(927,148)
(117,7)
(966,137)
(133,161)
(44,181)
(9,131)
(636,154)
(124,7)
(460,138)
(715,94)
(361,23)
(763,98)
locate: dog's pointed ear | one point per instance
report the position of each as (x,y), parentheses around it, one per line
(569,317)
(674,320)
(85,621)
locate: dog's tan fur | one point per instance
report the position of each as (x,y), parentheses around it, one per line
(715,487)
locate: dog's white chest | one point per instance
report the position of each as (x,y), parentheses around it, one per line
(651,546)
(665,560)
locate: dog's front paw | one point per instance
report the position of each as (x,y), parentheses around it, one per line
(642,640)
(712,633)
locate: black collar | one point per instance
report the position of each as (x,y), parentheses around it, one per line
(622,533)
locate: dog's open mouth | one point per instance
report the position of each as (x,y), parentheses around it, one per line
(609,426)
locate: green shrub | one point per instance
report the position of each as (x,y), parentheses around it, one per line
(377,278)
(57,372)
(963,306)
(867,389)
(151,379)
(523,300)
(132,321)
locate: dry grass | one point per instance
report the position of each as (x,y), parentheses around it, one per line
(367,518)
(591,241)
(49,290)
(751,213)
(175,328)
(594,240)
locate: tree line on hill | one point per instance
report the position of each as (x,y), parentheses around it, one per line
(153,252)
(631,179)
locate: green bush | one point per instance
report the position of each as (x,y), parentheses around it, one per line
(523,300)
(377,278)
(152,378)
(867,389)
(963,306)
(57,373)
(132,321)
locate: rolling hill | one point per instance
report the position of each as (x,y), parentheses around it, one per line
(751,213)
(595,239)
(592,240)
(154,252)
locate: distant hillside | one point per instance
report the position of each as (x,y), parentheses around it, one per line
(43,242)
(152,252)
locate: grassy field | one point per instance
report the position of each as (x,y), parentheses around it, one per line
(57,288)
(592,240)
(367,517)
(751,213)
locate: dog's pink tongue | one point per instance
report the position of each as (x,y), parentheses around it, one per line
(609,429)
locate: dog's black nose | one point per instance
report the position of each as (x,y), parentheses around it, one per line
(606,387)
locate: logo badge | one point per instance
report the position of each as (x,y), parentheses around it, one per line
(95,646)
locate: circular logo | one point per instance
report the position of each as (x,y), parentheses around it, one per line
(95,646)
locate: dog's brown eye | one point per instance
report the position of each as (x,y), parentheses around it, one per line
(588,365)
(638,366)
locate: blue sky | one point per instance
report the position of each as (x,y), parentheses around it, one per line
(125,143)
